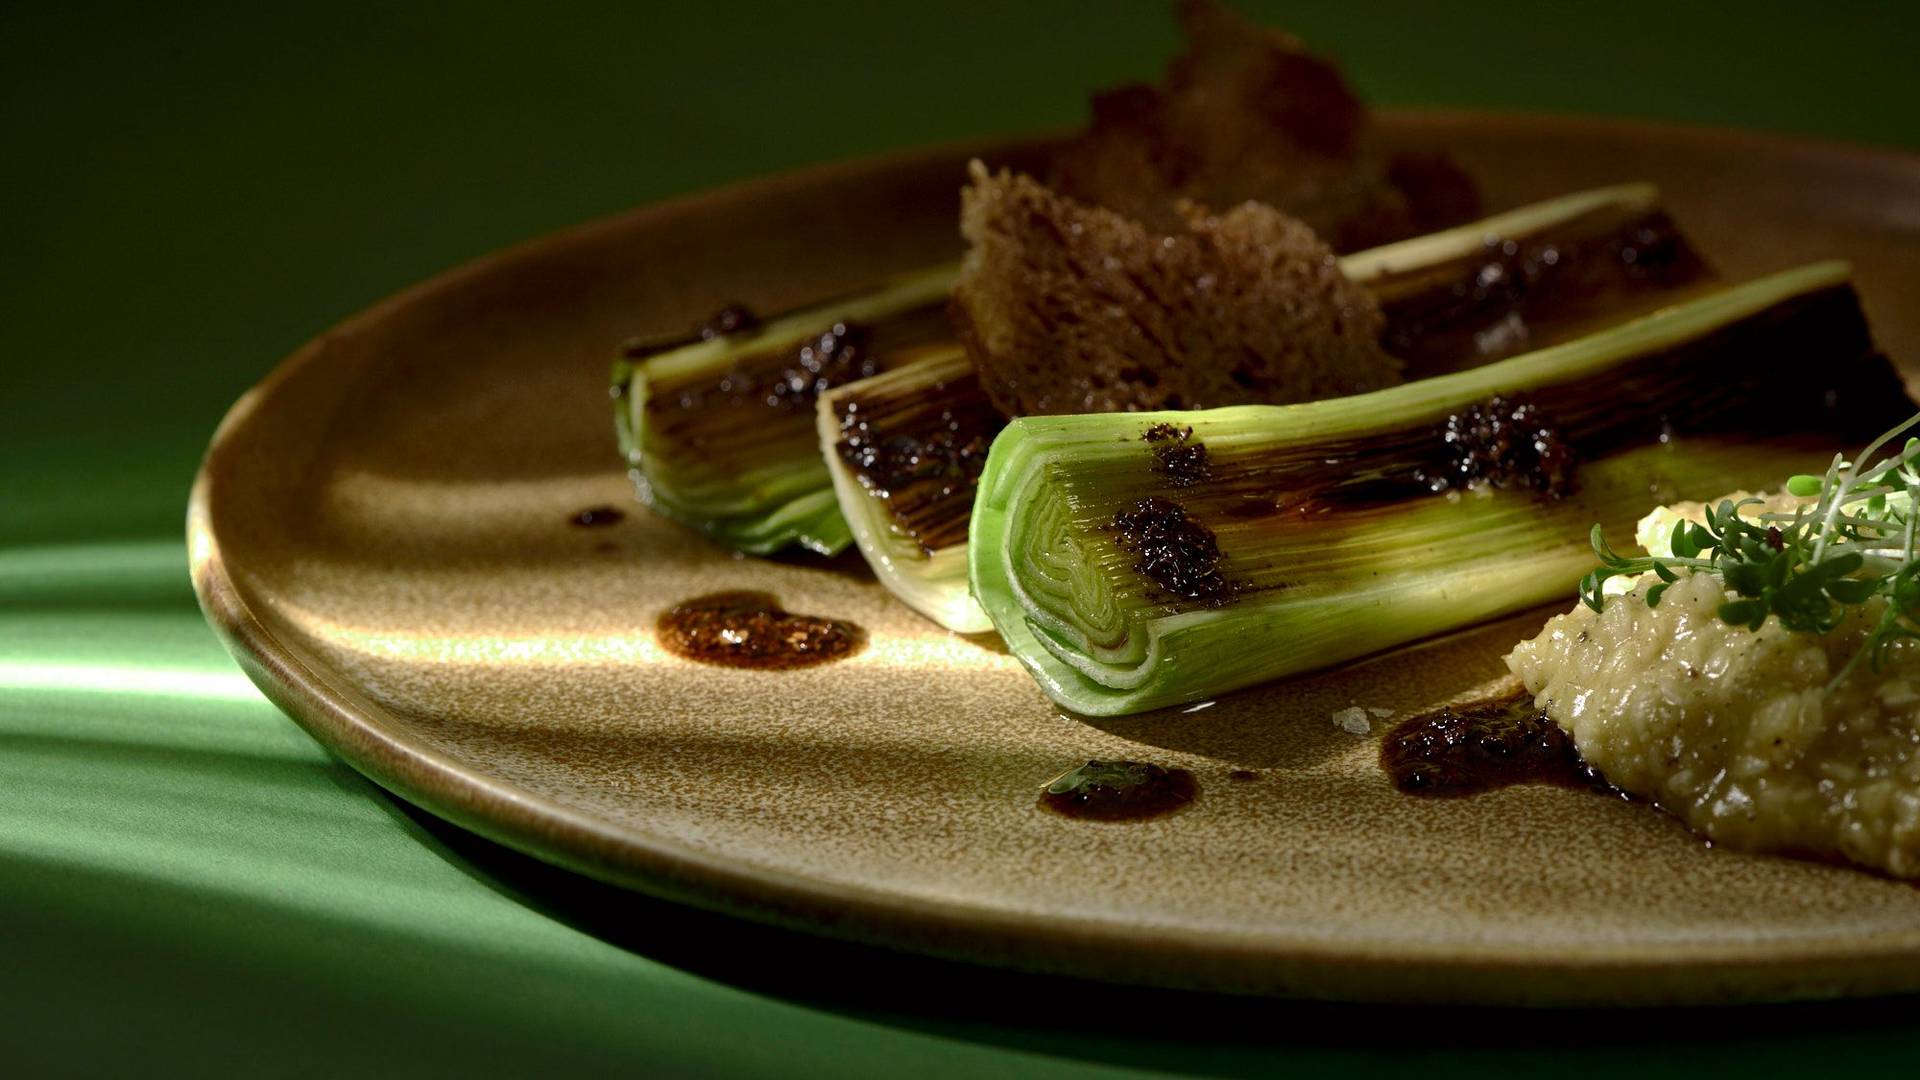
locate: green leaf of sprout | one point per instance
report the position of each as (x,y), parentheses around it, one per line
(1682,542)
(1849,591)
(1590,591)
(1855,546)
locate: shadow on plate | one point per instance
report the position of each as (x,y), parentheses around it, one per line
(1259,727)
(1187,1031)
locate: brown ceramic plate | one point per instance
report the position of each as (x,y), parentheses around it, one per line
(381,532)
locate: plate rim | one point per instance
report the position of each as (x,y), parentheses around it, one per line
(375,744)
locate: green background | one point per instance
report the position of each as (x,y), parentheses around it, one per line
(188,883)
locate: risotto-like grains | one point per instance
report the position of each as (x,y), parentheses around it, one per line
(1733,730)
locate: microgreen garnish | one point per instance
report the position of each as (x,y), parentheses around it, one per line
(1810,567)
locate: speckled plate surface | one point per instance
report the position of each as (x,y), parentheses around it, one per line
(380,530)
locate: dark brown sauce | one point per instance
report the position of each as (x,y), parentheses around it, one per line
(1518,294)
(752,630)
(1726,381)
(1174,550)
(1177,455)
(1253,507)
(782,373)
(1119,791)
(734,318)
(789,380)
(1467,749)
(1503,443)
(919,446)
(840,354)
(893,463)
(594,517)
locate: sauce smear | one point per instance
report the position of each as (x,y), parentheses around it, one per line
(1466,749)
(735,318)
(1119,791)
(596,516)
(752,630)
(1177,455)
(1176,551)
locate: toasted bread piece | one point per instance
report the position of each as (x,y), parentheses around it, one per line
(1246,113)
(1070,308)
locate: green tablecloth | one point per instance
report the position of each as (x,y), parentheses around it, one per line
(189,884)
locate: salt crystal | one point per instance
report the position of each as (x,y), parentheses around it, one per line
(1353,721)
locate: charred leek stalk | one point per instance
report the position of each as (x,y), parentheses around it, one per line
(718,433)
(898,444)
(1273,540)
(708,444)
(905,449)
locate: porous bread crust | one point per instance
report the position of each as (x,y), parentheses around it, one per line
(1247,113)
(1068,308)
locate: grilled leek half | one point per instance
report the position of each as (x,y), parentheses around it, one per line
(905,449)
(718,431)
(1133,561)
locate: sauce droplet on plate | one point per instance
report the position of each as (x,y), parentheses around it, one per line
(1119,791)
(752,630)
(1466,749)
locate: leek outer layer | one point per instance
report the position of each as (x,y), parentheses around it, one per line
(1339,557)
